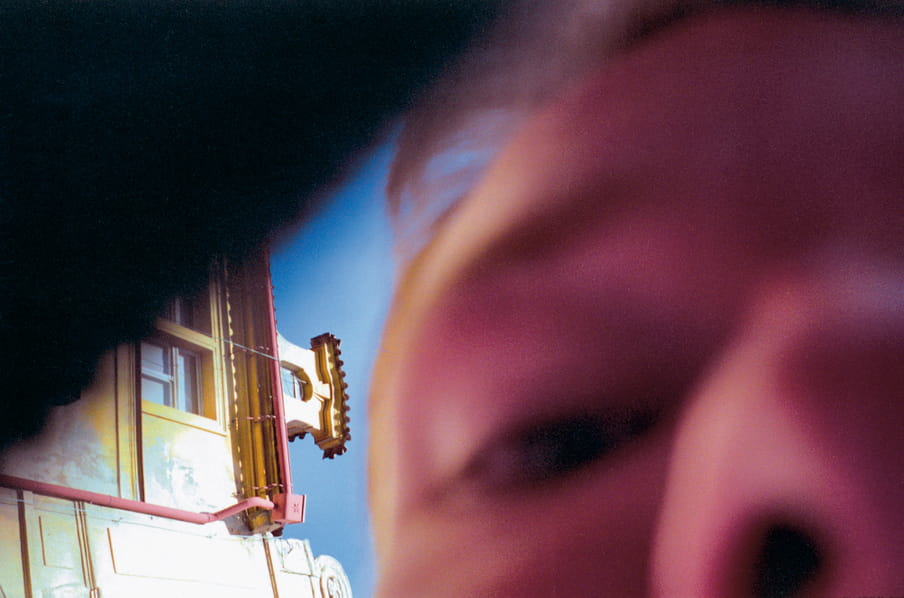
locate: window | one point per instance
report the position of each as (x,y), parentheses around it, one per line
(293,384)
(171,376)
(181,365)
(179,380)
(190,312)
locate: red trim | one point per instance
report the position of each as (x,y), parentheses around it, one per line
(290,508)
(136,506)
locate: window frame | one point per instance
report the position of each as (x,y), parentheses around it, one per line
(181,391)
(300,380)
(206,348)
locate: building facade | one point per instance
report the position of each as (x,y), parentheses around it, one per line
(170,474)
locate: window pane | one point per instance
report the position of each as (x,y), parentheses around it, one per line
(156,373)
(183,312)
(188,377)
(191,312)
(155,358)
(156,391)
(288,383)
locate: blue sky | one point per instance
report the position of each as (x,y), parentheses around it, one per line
(335,275)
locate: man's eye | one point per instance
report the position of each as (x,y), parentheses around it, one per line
(545,452)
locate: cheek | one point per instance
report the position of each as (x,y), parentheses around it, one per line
(591,531)
(856,414)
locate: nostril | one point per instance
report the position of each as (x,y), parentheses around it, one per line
(788,560)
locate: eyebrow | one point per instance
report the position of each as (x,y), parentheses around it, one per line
(567,215)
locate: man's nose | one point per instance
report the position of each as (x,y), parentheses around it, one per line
(756,504)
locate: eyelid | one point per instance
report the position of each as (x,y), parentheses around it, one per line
(543,454)
(550,451)
(490,464)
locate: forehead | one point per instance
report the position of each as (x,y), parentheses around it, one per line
(745,134)
(771,115)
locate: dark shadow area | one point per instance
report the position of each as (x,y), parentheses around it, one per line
(139,140)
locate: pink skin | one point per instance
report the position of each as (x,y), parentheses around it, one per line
(710,229)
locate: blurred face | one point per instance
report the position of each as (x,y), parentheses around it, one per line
(658,349)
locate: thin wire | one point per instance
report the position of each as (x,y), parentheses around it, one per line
(249,349)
